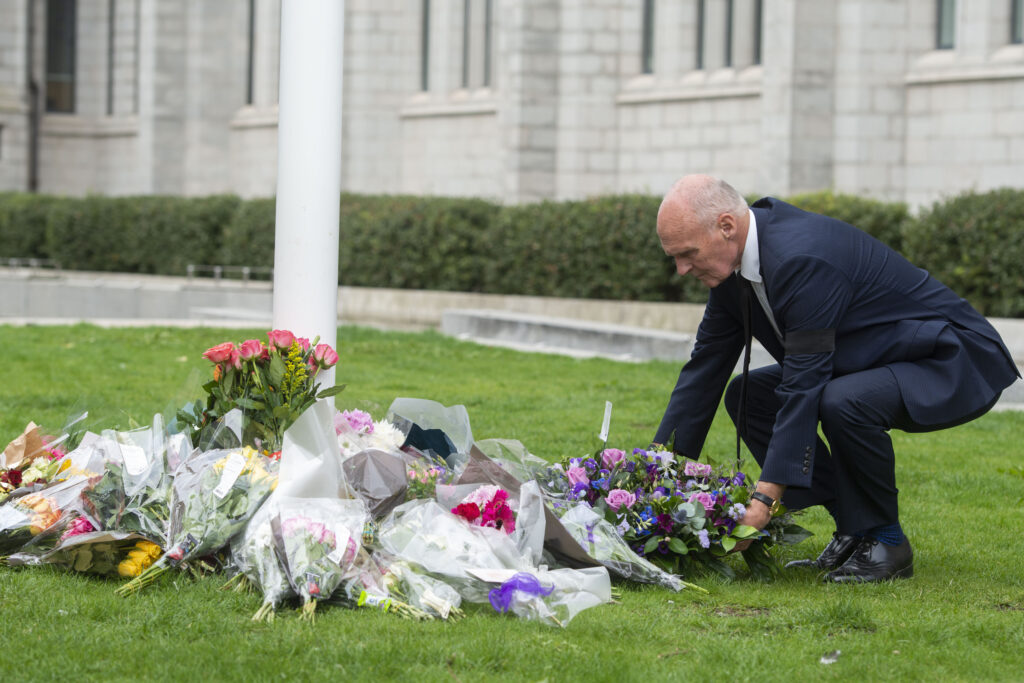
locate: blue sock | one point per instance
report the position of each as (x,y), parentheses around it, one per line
(889,534)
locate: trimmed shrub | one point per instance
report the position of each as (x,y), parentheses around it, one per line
(23,225)
(248,237)
(885,221)
(974,243)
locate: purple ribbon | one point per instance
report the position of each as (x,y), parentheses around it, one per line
(501,597)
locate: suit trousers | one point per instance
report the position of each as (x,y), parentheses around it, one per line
(856,478)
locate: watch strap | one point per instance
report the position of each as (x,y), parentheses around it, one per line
(767,500)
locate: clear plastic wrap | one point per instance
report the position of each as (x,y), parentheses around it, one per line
(255,555)
(214,496)
(602,542)
(434,428)
(552,597)
(320,539)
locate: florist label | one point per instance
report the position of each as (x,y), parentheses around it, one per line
(232,469)
(338,554)
(606,422)
(134,459)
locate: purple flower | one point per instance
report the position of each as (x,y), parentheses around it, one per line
(659,492)
(612,457)
(618,498)
(590,464)
(663,547)
(737,511)
(665,523)
(702,536)
(630,466)
(638,451)
(577,475)
(738,479)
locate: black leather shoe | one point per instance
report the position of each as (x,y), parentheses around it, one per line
(875,561)
(835,553)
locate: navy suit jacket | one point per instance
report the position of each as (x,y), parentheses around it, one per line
(821,274)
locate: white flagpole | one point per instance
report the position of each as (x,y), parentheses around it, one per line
(309,171)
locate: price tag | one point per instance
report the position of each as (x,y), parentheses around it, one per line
(232,469)
(338,554)
(135,461)
(606,422)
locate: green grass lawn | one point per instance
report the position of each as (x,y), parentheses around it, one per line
(960,618)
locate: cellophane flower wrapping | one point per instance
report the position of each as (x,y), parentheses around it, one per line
(423,592)
(255,554)
(93,552)
(214,496)
(436,542)
(602,541)
(320,539)
(31,525)
(551,596)
(134,492)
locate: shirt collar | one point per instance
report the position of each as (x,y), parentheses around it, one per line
(750,264)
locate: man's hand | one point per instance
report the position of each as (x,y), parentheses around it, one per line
(758,514)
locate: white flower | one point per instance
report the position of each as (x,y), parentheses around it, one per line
(385,436)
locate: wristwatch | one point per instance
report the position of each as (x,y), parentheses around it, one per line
(772,503)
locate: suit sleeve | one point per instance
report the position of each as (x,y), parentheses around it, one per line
(811,297)
(693,402)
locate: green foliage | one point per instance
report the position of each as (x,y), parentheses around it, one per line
(885,221)
(23,225)
(598,248)
(975,244)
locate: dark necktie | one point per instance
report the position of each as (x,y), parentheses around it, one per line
(745,314)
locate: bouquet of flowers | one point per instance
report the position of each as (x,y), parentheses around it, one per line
(215,495)
(487,507)
(255,556)
(678,514)
(31,458)
(37,519)
(101,552)
(423,476)
(271,383)
(320,539)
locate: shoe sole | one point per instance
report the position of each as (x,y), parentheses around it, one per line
(905,573)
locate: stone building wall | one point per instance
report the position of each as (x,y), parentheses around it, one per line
(851,95)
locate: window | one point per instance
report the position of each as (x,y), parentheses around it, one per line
(1017,21)
(701,14)
(60,56)
(476,43)
(945,33)
(647,39)
(250,54)
(758,29)
(425,47)
(728,32)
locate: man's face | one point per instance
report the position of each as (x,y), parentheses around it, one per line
(710,255)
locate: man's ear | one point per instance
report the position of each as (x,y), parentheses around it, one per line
(728,225)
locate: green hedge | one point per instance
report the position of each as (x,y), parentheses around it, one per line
(975,244)
(603,248)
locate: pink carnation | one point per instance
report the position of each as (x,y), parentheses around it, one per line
(696,469)
(357,420)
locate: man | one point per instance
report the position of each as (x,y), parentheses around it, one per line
(864,342)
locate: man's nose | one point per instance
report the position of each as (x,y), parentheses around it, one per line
(682,266)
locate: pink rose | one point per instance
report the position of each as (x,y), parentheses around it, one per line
(704,499)
(612,457)
(617,498)
(251,349)
(219,353)
(325,356)
(577,475)
(235,360)
(281,339)
(696,469)
(303,343)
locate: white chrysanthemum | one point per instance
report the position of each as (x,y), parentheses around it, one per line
(385,436)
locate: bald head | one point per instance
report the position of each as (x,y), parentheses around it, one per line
(702,197)
(702,225)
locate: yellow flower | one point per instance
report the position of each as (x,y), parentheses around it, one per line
(128,568)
